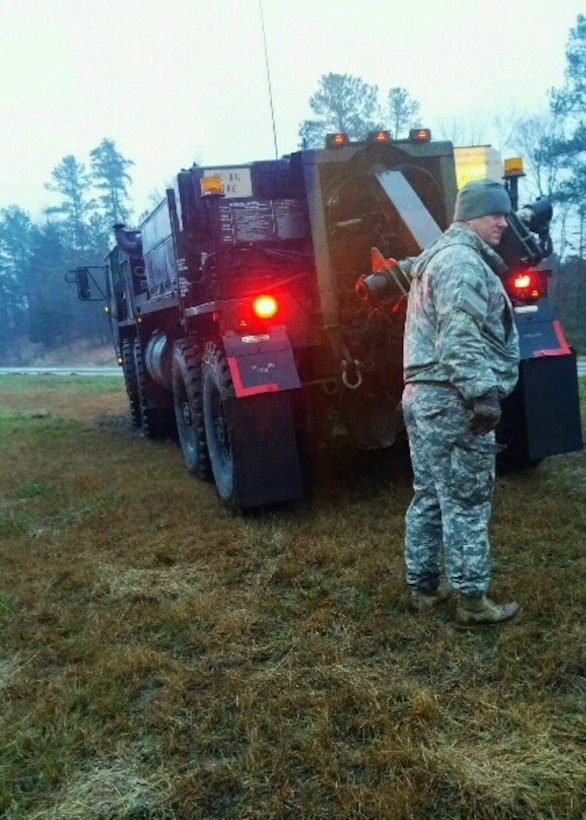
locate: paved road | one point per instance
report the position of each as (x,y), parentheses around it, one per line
(73,370)
(112,371)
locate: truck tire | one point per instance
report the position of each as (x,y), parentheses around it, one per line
(131,382)
(217,388)
(156,409)
(187,402)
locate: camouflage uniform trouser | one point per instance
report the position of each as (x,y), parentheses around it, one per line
(453,480)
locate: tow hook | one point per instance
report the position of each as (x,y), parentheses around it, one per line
(347,383)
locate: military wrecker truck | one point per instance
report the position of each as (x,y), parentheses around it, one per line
(259,307)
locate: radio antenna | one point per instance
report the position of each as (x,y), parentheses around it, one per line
(268,70)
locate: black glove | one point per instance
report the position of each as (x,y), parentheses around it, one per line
(486,413)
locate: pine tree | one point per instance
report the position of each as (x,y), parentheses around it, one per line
(72,182)
(16,230)
(568,147)
(111,178)
(341,103)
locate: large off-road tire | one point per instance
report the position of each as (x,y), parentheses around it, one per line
(217,389)
(156,406)
(131,382)
(187,402)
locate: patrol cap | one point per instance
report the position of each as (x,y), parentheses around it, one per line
(481,197)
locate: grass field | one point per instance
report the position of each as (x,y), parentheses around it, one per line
(161,658)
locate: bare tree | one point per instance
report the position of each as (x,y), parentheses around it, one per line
(496,130)
(470,131)
(403,111)
(531,139)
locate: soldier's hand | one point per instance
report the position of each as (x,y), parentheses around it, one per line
(486,413)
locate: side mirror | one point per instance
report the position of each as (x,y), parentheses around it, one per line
(83,283)
(88,289)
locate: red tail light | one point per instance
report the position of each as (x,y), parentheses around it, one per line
(527,285)
(251,312)
(265,306)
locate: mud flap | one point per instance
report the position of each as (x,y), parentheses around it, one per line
(261,428)
(262,363)
(541,417)
(264,449)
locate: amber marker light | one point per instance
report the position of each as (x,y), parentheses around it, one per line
(337,140)
(514,167)
(379,137)
(420,135)
(211,186)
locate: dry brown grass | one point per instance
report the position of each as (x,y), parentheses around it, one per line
(163,659)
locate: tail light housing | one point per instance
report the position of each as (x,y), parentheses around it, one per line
(249,314)
(527,285)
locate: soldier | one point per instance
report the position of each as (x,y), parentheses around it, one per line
(461,357)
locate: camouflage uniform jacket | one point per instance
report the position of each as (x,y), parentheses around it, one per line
(459,326)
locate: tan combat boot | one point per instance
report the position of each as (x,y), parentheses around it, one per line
(426,601)
(472,613)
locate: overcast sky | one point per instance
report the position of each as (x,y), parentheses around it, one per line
(177,81)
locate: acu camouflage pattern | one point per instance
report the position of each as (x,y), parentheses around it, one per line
(453,480)
(460,342)
(459,326)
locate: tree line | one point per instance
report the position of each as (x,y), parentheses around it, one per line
(35,302)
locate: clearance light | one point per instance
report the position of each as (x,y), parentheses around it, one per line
(378,137)
(420,135)
(338,140)
(265,307)
(211,186)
